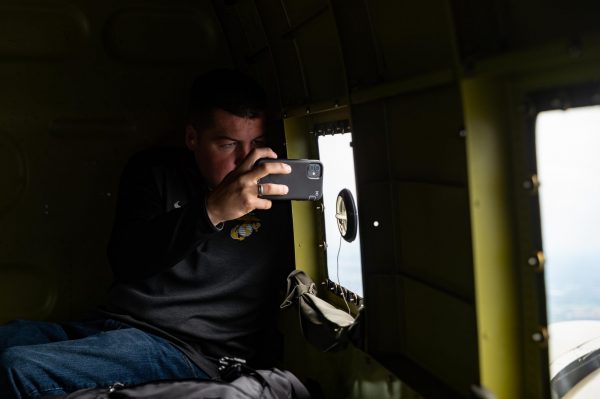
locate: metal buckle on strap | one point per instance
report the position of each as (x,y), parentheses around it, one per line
(115,387)
(231,368)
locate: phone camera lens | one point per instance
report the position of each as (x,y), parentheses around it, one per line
(314,170)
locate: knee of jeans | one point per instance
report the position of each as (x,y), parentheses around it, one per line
(21,372)
(8,358)
(11,366)
(14,362)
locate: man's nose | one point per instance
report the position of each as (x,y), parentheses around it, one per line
(242,152)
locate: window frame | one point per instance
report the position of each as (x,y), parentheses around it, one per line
(549,99)
(332,128)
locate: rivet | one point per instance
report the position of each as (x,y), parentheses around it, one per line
(556,103)
(528,108)
(532,183)
(540,336)
(537,261)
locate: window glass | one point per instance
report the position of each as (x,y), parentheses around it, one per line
(343,258)
(568,145)
(568,149)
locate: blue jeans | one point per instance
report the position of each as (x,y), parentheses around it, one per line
(46,359)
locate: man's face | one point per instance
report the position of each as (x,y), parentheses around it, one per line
(220,148)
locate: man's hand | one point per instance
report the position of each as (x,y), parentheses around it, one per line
(237,194)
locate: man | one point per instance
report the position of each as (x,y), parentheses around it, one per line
(197,257)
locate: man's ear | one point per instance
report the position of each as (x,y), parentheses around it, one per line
(191,137)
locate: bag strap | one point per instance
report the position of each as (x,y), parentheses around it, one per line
(233,368)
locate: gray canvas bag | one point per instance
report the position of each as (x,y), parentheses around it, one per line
(323,325)
(261,384)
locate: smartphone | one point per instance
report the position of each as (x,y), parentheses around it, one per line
(305,182)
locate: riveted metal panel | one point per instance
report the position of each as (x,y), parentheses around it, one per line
(413,37)
(440,334)
(492,28)
(434,236)
(378,229)
(371,142)
(385,330)
(426,136)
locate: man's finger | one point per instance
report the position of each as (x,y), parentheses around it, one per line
(262,203)
(273,189)
(270,168)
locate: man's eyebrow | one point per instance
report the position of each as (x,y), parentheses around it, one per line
(224,137)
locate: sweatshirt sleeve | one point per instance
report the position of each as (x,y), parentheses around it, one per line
(146,238)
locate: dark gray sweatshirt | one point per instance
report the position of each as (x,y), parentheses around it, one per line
(211,292)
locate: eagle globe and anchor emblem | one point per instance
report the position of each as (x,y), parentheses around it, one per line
(247,225)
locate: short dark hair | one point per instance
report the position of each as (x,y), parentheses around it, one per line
(225,89)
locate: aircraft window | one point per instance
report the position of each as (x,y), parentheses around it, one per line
(343,257)
(569,172)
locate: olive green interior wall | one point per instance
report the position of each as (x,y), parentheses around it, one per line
(509,51)
(494,248)
(411,177)
(84,85)
(499,107)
